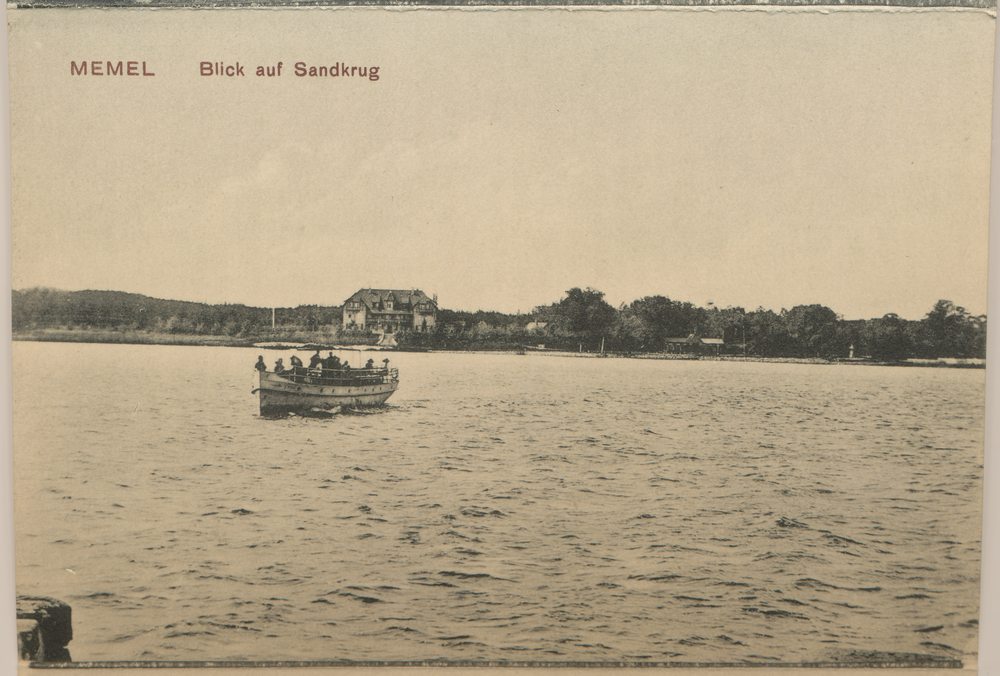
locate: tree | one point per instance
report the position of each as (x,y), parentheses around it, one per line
(887,339)
(629,331)
(585,313)
(728,324)
(813,329)
(950,331)
(654,319)
(767,335)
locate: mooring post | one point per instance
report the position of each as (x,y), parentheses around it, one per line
(44,628)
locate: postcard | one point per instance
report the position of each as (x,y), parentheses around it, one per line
(388,337)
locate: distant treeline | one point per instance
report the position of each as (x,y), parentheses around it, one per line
(582,320)
(43,308)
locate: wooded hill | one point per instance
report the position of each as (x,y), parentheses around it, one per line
(43,308)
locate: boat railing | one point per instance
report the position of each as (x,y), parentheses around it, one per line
(353,377)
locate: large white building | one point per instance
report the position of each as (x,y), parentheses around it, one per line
(390,310)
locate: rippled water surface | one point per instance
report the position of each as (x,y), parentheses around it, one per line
(502,508)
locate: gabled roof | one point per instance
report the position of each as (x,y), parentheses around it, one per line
(694,340)
(371,297)
(686,339)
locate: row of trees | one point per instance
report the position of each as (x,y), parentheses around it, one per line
(582,319)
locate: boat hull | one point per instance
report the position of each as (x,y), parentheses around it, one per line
(281,396)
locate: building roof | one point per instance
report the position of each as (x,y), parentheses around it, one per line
(693,339)
(371,297)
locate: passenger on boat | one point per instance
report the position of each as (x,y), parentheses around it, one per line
(298,371)
(330,366)
(279,367)
(316,360)
(260,365)
(385,369)
(370,364)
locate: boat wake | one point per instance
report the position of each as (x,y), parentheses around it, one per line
(326,414)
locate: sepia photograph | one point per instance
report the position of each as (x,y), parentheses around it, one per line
(451,337)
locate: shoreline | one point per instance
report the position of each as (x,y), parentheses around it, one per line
(140,338)
(923,363)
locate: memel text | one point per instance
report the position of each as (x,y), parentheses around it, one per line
(109,68)
(220,68)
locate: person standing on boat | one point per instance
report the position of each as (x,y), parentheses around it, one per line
(260,365)
(370,364)
(297,369)
(330,364)
(279,367)
(316,360)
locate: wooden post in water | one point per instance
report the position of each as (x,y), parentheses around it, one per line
(44,628)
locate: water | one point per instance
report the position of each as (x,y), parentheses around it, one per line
(502,508)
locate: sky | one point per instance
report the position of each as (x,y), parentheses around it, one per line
(735,157)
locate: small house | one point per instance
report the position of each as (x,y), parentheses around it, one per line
(693,344)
